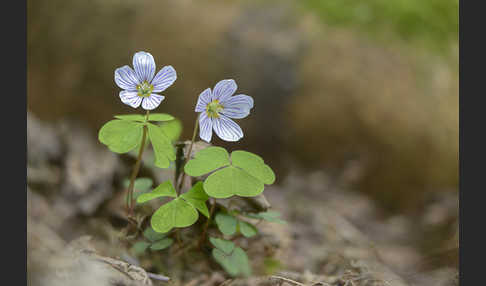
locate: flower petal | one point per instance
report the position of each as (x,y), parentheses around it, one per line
(130,98)
(227,129)
(203,100)
(237,106)
(152,101)
(144,66)
(205,127)
(164,78)
(126,78)
(224,89)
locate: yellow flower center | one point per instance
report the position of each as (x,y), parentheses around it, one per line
(213,109)
(145,89)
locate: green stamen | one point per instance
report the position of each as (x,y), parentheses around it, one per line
(145,89)
(213,109)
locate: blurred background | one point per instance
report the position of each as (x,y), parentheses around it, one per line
(363,91)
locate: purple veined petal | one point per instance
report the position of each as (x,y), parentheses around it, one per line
(205,127)
(237,106)
(130,98)
(224,89)
(203,100)
(126,78)
(164,78)
(227,129)
(152,101)
(144,66)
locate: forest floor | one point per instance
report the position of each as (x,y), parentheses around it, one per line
(333,235)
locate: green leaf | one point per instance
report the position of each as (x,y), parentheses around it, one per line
(160,117)
(141,118)
(225,261)
(197,198)
(226,223)
(176,213)
(270,216)
(225,246)
(121,136)
(232,181)
(163,149)
(172,129)
(162,244)
(140,247)
(166,189)
(152,235)
(207,160)
(240,258)
(235,263)
(254,165)
(248,230)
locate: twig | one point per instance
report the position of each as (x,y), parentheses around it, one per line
(287,280)
(158,277)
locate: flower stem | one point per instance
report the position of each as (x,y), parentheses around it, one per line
(181,182)
(203,234)
(136,169)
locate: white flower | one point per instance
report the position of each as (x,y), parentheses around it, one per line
(140,86)
(217,107)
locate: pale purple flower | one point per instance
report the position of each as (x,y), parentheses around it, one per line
(140,86)
(217,107)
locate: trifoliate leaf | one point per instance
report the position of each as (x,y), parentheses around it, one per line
(254,165)
(172,129)
(197,198)
(248,230)
(232,181)
(141,118)
(140,247)
(166,189)
(225,246)
(121,136)
(163,149)
(152,235)
(207,160)
(226,223)
(162,244)
(176,213)
(236,263)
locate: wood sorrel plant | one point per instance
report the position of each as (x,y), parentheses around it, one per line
(240,173)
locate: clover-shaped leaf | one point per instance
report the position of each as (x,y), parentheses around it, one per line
(253,165)
(224,245)
(233,259)
(141,118)
(152,235)
(166,189)
(172,129)
(197,198)
(163,149)
(162,244)
(226,223)
(248,230)
(245,175)
(207,160)
(176,213)
(121,136)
